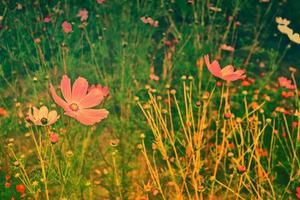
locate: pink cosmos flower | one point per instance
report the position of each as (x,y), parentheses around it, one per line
(47,19)
(78,101)
(227,73)
(284,82)
(104,90)
(67,27)
(42,116)
(83,14)
(226,47)
(54,138)
(100,1)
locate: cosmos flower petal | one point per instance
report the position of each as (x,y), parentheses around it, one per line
(59,101)
(52,117)
(65,86)
(227,70)
(43,112)
(213,67)
(79,89)
(233,77)
(35,112)
(89,116)
(93,98)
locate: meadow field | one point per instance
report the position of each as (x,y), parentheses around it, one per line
(149,99)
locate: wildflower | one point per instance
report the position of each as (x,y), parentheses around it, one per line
(147,187)
(294,37)
(37,40)
(284,82)
(242,168)
(42,116)
(100,1)
(246,83)
(150,21)
(54,138)
(286,95)
(7,185)
(168,43)
(104,90)
(295,124)
(292,69)
(154,77)
(67,27)
(298,192)
(285,29)
(227,73)
(114,142)
(227,115)
(282,21)
(47,19)
(20,188)
(83,14)
(78,102)
(7,177)
(219,84)
(3,112)
(226,47)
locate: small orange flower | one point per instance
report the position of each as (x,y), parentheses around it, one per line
(3,112)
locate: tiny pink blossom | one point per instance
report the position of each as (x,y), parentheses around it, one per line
(227,73)
(227,47)
(67,27)
(150,21)
(154,77)
(54,138)
(100,1)
(242,168)
(83,14)
(144,20)
(78,101)
(47,19)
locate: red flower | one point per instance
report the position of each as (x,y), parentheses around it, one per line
(242,168)
(295,124)
(7,185)
(67,27)
(3,112)
(219,83)
(7,177)
(227,115)
(298,192)
(20,188)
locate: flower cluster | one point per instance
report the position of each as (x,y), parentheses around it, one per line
(150,21)
(77,103)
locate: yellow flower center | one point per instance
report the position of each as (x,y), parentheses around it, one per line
(74,107)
